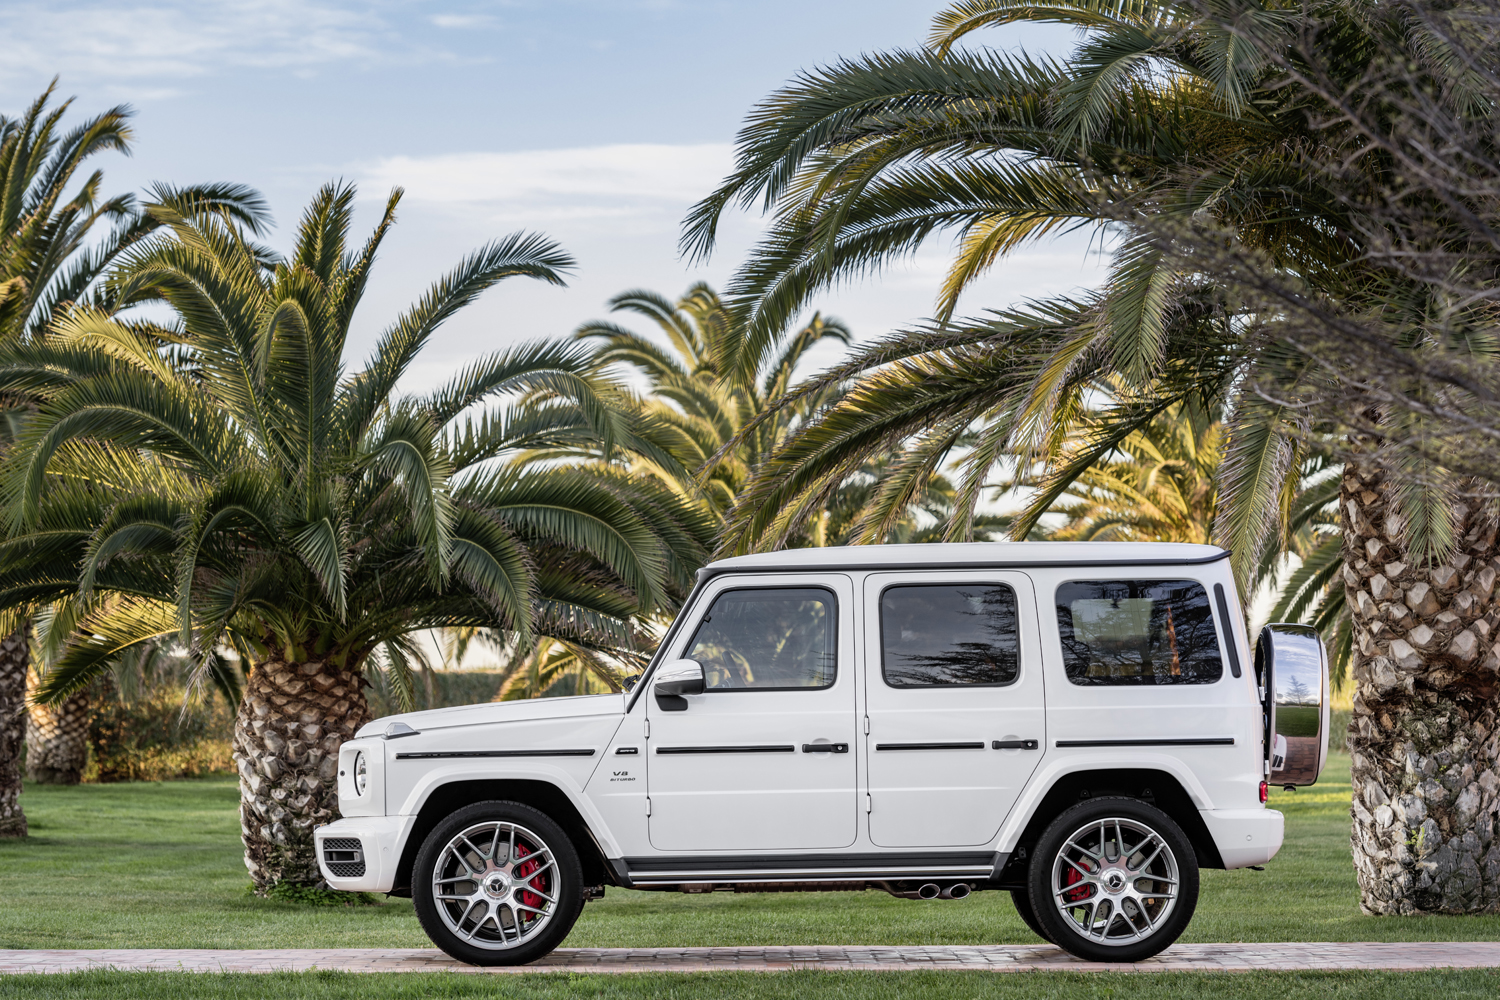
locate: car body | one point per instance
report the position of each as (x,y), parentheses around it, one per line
(937,710)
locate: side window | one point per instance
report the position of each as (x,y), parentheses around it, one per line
(1135,632)
(944,635)
(767,638)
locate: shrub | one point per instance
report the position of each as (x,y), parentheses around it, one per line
(154,738)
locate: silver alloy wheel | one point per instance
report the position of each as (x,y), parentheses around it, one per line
(1115,881)
(495,885)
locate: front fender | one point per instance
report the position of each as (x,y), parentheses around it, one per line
(560,777)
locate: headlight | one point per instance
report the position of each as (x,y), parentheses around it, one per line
(361,773)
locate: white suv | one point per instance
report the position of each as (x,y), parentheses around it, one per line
(1078,723)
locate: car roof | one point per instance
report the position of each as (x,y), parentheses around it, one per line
(965,555)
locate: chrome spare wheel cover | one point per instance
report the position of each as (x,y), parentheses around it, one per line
(495,885)
(1115,881)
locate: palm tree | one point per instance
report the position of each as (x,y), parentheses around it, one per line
(708,414)
(1157,485)
(698,409)
(1167,118)
(222,482)
(51,256)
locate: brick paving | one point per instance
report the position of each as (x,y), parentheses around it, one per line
(1297,957)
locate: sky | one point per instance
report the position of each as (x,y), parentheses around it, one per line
(596,122)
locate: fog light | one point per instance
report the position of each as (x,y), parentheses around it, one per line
(1265,791)
(362,776)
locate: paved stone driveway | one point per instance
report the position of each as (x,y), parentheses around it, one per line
(994,958)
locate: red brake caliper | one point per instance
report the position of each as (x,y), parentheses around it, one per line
(1078,895)
(524,870)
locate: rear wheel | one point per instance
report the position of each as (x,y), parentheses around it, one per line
(1022,899)
(497,883)
(1113,880)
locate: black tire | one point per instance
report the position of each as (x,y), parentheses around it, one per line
(1022,899)
(481,903)
(1106,923)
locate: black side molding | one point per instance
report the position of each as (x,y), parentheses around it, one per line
(437,754)
(975,745)
(761,748)
(1211,741)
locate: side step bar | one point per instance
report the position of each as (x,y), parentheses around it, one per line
(813,868)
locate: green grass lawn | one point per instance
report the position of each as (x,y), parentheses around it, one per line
(158,866)
(758,986)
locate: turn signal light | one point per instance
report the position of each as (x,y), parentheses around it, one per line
(1265,792)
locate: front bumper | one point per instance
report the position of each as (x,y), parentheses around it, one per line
(1245,836)
(369,867)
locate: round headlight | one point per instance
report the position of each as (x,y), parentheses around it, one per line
(361,773)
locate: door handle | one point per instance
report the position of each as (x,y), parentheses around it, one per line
(825,748)
(1014,745)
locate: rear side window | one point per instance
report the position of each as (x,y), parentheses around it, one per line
(772,637)
(939,636)
(1133,632)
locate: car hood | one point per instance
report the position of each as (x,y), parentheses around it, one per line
(489,713)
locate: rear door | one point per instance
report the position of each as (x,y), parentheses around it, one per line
(954,699)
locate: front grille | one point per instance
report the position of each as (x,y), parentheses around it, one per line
(344,857)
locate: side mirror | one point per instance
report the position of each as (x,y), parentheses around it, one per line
(674,679)
(1292,668)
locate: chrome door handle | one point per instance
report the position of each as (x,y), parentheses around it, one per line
(1014,745)
(825,748)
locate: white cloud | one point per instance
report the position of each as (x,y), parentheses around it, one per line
(89,40)
(605,187)
(464,21)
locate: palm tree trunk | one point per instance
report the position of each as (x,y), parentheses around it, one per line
(57,737)
(1424,736)
(15,658)
(294,717)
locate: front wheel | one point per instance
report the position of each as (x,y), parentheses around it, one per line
(497,883)
(1113,880)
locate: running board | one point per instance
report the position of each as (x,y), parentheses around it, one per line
(813,868)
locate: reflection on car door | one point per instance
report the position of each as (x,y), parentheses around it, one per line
(762,760)
(953,688)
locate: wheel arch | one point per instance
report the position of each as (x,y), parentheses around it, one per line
(544,796)
(1152,785)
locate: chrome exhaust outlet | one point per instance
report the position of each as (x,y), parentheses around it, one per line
(929,891)
(959,891)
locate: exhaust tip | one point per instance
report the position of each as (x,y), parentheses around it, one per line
(929,891)
(959,891)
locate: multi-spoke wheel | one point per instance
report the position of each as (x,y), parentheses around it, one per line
(1113,880)
(497,883)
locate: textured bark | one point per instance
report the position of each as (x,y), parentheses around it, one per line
(293,719)
(1423,736)
(15,658)
(57,737)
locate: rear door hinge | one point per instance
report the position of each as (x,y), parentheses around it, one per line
(648,805)
(867,725)
(869,804)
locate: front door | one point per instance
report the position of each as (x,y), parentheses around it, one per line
(762,759)
(953,688)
